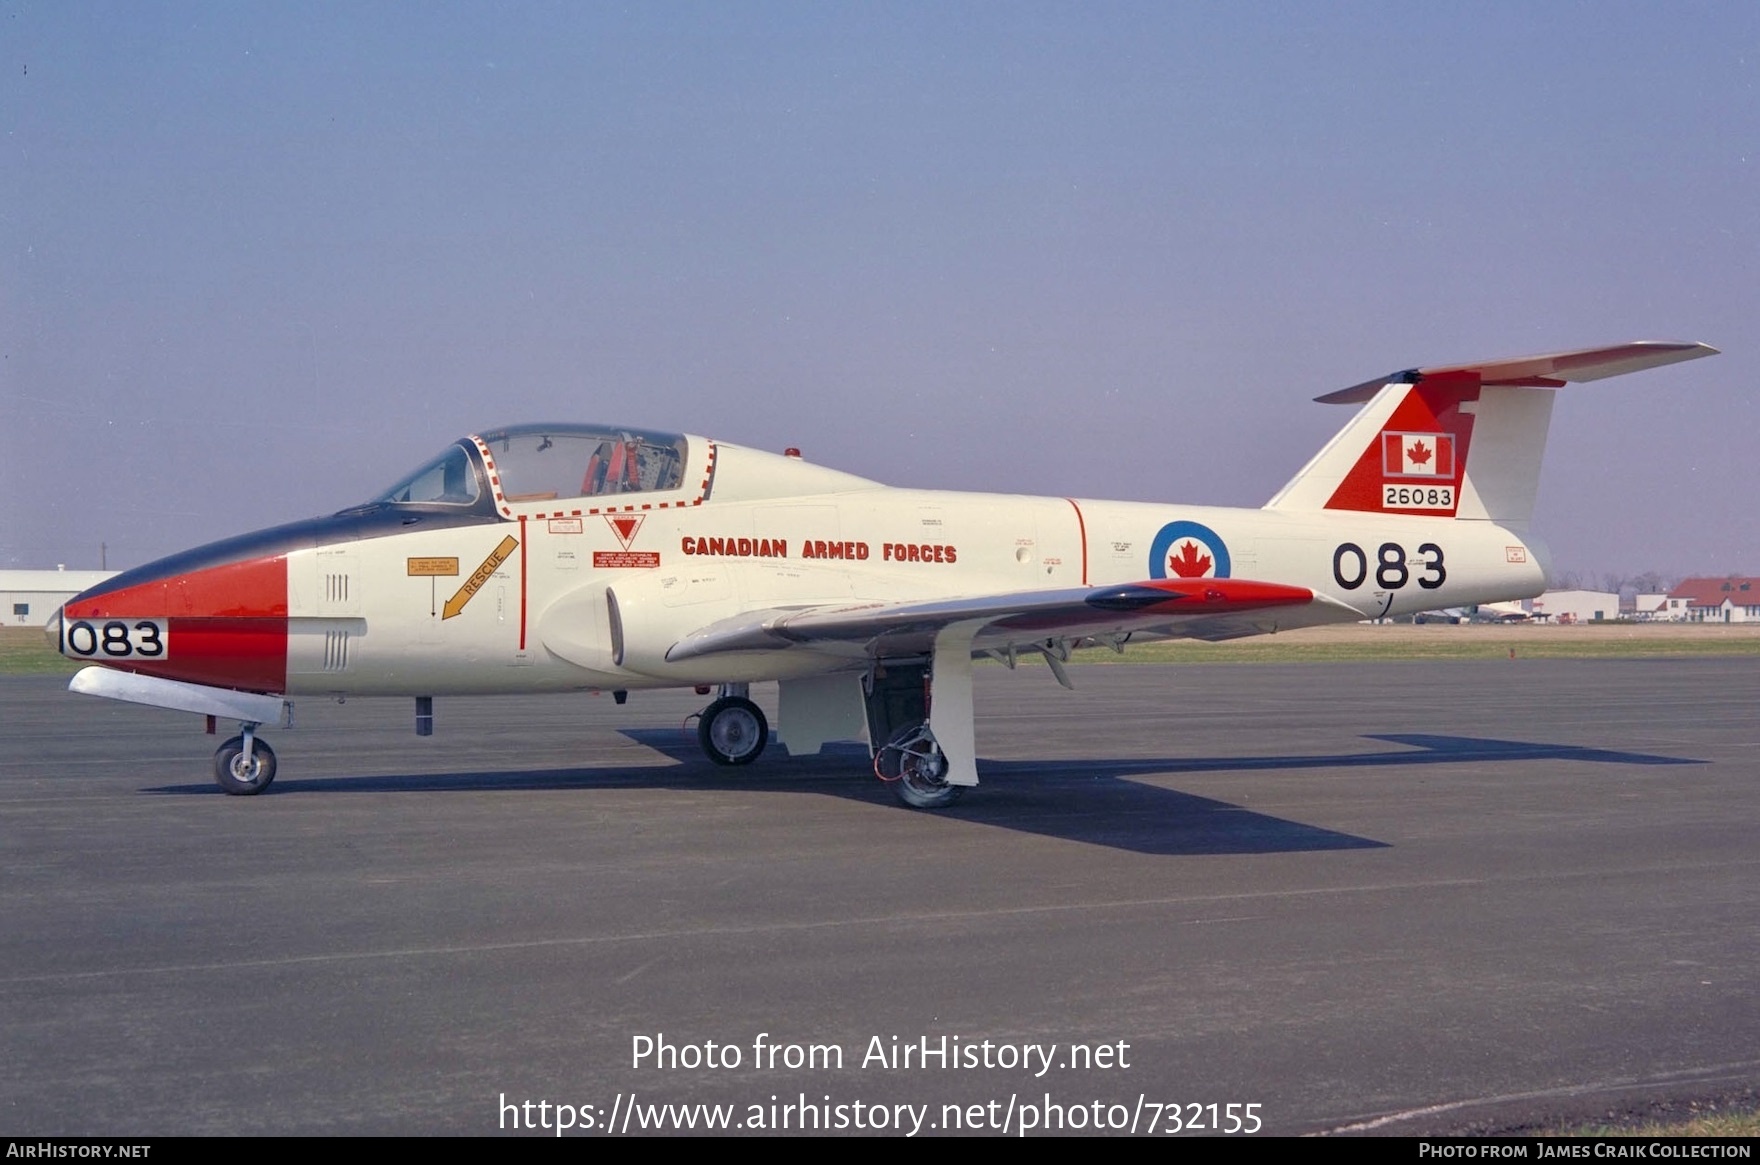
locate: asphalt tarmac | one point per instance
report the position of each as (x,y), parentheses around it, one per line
(1385,898)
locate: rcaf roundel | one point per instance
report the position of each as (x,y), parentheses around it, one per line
(1188,550)
(1417,455)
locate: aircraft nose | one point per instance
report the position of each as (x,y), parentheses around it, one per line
(205,617)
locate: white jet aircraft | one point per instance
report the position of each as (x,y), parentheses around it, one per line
(567,557)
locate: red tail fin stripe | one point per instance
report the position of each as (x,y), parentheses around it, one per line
(1426,438)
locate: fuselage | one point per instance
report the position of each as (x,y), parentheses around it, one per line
(569,587)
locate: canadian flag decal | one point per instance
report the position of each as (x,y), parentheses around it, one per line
(1418,454)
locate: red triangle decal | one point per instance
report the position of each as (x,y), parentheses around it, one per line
(625,527)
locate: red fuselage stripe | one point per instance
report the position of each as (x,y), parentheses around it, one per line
(1082,529)
(522,582)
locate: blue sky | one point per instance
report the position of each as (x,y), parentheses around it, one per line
(259,259)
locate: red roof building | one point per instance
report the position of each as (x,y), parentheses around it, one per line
(1716,600)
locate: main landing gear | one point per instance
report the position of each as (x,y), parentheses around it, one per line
(244,765)
(912,761)
(732,730)
(928,760)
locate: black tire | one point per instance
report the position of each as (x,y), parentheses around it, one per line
(233,776)
(733,731)
(917,769)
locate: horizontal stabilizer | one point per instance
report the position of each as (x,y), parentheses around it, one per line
(1549,371)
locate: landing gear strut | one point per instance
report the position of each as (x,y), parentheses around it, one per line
(913,763)
(244,765)
(732,730)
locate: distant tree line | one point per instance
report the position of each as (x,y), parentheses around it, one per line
(1649,583)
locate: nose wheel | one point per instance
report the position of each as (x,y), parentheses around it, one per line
(733,731)
(241,770)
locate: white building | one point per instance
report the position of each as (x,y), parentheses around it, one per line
(29,597)
(1577,606)
(1650,608)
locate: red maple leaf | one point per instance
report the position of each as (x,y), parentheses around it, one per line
(1417,454)
(1188,563)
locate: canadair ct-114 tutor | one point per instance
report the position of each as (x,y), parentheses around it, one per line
(572,557)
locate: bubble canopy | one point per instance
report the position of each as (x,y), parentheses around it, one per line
(544,463)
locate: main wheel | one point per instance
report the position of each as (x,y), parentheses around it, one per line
(733,731)
(917,768)
(241,778)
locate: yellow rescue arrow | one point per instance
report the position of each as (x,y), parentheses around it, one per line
(478,577)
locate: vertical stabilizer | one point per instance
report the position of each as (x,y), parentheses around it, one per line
(1461,441)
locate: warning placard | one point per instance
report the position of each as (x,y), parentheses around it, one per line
(424,567)
(603,559)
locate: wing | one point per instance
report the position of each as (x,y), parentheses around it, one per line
(1207,608)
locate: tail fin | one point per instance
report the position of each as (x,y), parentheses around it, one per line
(1459,441)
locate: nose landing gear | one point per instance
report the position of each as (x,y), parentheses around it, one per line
(244,765)
(732,730)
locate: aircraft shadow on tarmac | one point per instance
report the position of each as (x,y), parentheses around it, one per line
(1089,800)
